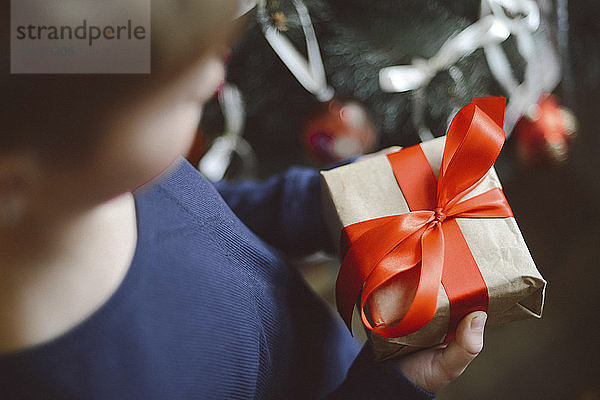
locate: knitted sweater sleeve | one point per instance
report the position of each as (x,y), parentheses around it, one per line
(284,210)
(369,379)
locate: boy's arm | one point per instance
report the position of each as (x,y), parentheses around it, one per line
(284,210)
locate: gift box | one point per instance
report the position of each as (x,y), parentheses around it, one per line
(427,237)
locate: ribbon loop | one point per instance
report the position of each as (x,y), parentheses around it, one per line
(473,143)
(393,245)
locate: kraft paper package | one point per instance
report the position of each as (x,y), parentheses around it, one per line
(368,190)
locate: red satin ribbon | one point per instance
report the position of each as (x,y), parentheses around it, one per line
(428,237)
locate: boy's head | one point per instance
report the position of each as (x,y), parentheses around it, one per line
(75,140)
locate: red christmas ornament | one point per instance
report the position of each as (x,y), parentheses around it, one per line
(339,130)
(545,133)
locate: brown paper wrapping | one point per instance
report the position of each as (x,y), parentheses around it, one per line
(367,189)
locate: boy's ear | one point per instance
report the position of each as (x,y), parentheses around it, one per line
(19,176)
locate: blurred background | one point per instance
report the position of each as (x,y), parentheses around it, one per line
(277,110)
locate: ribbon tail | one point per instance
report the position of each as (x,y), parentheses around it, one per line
(364,255)
(404,257)
(424,305)
(355,268)
(347,287)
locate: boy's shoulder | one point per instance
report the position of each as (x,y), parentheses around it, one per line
(184,190)
(181,216)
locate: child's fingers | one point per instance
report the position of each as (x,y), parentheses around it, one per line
(452,361)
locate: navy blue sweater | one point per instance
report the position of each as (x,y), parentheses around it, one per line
(208,310)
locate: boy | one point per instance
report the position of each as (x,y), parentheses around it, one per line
(165,293)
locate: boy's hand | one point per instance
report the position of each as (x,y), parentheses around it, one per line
(433,369)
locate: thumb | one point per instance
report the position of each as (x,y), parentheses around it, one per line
(452,361)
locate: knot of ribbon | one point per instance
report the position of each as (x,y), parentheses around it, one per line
(423,238)
(439,214)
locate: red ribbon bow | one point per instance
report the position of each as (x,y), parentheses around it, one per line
(429,236)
